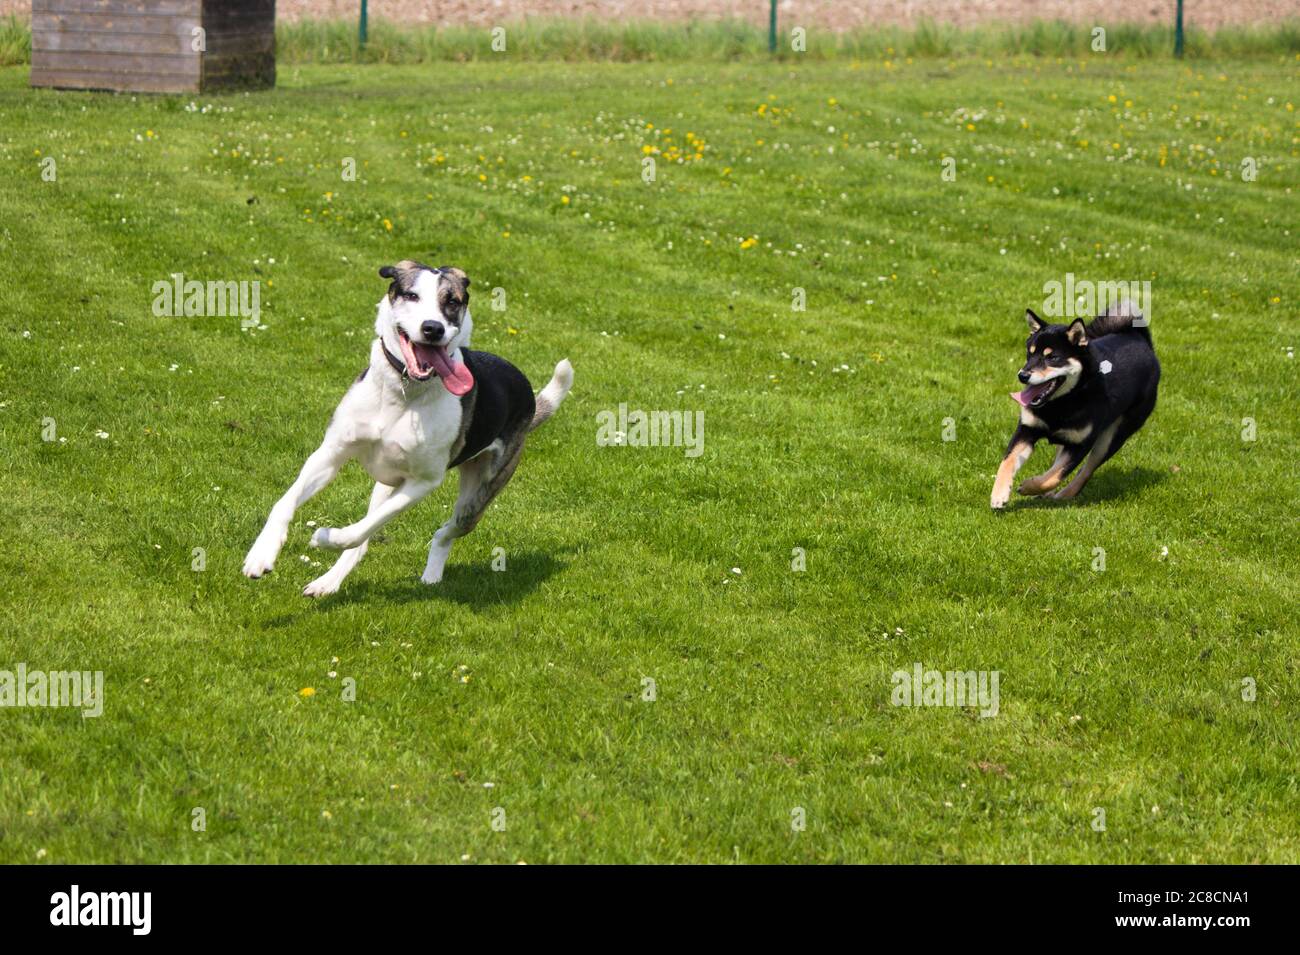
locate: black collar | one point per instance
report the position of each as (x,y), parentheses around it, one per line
(393,360)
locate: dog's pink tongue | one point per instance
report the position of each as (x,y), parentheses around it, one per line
(455,375)
(1027,396)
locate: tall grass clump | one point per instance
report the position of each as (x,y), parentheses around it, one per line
(15,41)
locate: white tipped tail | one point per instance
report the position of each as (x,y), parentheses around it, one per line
(551,396)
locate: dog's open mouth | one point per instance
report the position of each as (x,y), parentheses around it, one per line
(1035,395)
(423,361)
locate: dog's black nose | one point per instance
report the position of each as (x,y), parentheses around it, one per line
(432,331)
(1024,375)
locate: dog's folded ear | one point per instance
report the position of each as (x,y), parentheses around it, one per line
(1077,333)
(458,273)
(1035,323)
(388,272)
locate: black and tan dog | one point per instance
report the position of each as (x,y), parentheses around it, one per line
(1088,390)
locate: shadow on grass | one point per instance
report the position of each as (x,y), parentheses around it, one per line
(1106,485)
(473,584)
(477,584)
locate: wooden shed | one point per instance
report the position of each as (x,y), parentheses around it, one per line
(153,46)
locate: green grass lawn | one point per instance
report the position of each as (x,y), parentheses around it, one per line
(1120,689)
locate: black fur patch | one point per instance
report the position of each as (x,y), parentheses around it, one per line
(500,404)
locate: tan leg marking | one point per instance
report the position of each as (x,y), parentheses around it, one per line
(1007,473)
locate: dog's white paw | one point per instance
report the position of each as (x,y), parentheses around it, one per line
(322,586)
(261,558)
(437,562)
(329,538)
(999,499)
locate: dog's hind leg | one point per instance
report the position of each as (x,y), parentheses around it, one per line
(328,582)
(318,470)
(1103,448)
(481,479)
(1067,459)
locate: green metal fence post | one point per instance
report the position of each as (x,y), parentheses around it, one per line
(361,28)
(771,30)
(1178,31)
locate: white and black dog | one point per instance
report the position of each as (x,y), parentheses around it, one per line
(426,403)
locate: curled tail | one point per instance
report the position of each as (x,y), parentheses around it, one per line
(551,396)
(1123,316)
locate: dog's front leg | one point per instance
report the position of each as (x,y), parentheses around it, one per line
(328,582)
(318,470)
(407,494)
(1018,451)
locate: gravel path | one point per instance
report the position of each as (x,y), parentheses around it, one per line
(835,14)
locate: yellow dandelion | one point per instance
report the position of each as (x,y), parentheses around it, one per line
(307,691)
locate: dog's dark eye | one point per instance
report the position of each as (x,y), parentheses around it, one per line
(1057,360)
(411,296)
